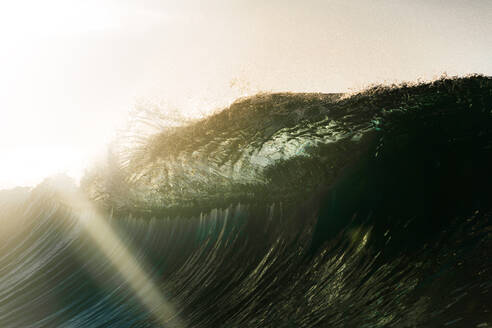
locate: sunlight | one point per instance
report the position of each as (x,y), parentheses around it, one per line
(35,126)
(123,260)
(29,165)
(54,115)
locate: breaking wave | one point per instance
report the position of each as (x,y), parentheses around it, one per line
(284,210)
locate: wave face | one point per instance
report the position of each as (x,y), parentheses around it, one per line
(285,210)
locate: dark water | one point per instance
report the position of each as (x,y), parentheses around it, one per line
(368,211)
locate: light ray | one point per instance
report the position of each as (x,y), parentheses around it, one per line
(123,260)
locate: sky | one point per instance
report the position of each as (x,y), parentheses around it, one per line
(72,71)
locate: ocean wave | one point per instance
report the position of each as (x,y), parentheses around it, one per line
(284,210)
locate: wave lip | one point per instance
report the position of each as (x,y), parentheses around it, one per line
(282,146)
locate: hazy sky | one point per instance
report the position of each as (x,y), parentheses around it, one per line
(70,71)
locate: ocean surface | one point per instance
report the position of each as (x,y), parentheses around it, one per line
(284,210)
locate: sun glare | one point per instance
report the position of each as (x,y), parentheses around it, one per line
(37,130)
(27,166)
